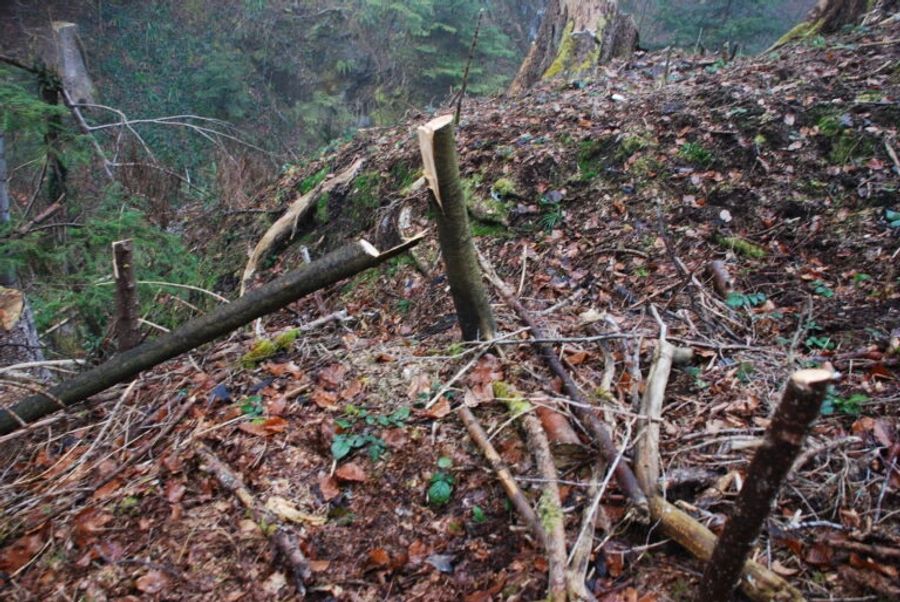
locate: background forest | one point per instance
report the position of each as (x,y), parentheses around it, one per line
(259,87)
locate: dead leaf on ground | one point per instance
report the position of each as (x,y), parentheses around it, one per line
(17,554)
(351,472)
(152,582)
(329,488)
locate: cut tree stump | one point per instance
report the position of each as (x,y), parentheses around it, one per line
(334,267)
(128,331)
(438,146)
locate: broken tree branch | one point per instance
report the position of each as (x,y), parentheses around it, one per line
(583,409)
(285,227)
(800,405)
(334,267)
(759,583)
(515,495)
(550,506)
(283,539)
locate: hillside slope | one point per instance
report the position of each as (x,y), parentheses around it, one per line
(597,199)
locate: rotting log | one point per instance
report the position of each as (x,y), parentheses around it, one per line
(784,438)
(128,332)
(437,143)
(334,267)
(285,227)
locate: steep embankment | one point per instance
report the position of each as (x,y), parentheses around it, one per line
(605,196)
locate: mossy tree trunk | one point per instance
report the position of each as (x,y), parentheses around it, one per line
(830,16)
(438,145)
(575,36)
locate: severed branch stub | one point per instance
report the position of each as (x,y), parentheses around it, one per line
(799,406)
(438,147)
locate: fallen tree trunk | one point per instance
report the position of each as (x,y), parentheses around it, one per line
(759,583)
(285,227)
(337,265)
(438,147)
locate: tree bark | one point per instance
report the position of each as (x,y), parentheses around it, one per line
(128,332)
(7,274)
(575,36)
(438,146)
(65,53)
(342,263)
(784,439)
(827,16)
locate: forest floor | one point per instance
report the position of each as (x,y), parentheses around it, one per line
(608,196)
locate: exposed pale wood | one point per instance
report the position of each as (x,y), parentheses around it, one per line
(285,226)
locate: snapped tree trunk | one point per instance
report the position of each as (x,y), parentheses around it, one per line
(337,265)
(783,441)
(438,145)
(128,331)
(575,36)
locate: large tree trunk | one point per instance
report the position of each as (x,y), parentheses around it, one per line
(576,36)
(830,16)
(65,54)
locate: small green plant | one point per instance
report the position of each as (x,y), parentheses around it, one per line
(311,181)
(252,407)
(850,405)
(821,288)
(404,305)
(693,152)
(552,213)
(478,515)
(737,300)
(715,67)
(695,373)
(504,188)
(440,486)
(819,342)
(342,445)
(345,443)
(893,218)
(860,278)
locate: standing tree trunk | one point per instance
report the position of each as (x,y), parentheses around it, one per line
(438,146)
(128,332)
(7,274)
(18,335)
(576,36)
(830,16)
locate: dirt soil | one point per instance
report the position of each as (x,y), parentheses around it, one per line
(607,196)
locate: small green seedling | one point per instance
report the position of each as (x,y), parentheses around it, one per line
(737,300)
(821,288)
(441,484)
(851,405)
